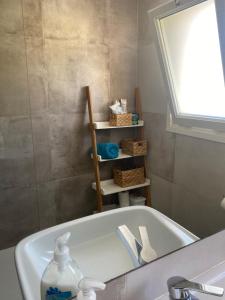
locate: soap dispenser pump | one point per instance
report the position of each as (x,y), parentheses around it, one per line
(62,276)
(62,252)
(87,287)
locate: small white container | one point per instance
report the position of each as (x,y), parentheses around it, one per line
(137,200)
(88,287)
(124,199)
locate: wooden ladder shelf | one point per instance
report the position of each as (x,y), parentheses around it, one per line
(108,187)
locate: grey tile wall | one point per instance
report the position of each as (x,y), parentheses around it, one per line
(32,18)
(200,214)
(11,21)
(153,92)
(161,146)
(80,20)
(49,50)
(124,75)
(16,153)
(161,192)
(200,166)
(69,198)
(37,75)
(13,76)
(18,213)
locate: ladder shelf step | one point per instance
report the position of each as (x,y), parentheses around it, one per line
(108,187)
(121,156)
(105,125)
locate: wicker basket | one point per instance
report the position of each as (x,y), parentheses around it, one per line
(134,147)
(125,178)
(120,120)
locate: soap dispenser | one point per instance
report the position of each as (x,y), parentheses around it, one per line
(62,276)
(87,287)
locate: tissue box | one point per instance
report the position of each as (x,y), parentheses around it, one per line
(120,120)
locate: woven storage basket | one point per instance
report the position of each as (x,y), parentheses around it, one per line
(120,120)
(125,178)
(134,147)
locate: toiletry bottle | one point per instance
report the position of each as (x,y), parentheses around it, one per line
(87,287)
(62,276)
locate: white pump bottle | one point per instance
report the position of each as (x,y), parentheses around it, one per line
(62,276)
(87,287)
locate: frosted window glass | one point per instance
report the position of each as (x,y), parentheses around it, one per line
(191,46)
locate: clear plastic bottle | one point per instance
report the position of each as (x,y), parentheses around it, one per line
(62,276)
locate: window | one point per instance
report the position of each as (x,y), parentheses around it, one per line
(190,38)
(191,51)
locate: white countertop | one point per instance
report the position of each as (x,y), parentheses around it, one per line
(9,284)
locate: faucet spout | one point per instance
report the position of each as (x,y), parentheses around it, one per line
(179,288)
(131,243)
(141,253)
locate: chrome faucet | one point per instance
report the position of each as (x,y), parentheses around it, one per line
(179,288)
(141,253)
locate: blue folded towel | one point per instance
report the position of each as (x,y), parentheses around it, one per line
(108,150)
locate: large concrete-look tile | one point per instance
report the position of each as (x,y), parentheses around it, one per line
(95,72)
(78,20)
(154,94)
(123,74)
(116,136)
(40,130)
(75,198)
(18,214)
(37,75)
(161,144)
(200,166)
(13,76)
(122,22)
(61,146)
(11,20)
(66,199)
(69,145)
(71,66)
(47,204)
(122,38)
(16,152)
(145,26)
(202,215)
(32,18)
(161,193)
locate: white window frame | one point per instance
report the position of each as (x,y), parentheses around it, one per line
(205,127)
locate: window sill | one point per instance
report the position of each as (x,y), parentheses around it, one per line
(196,132)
